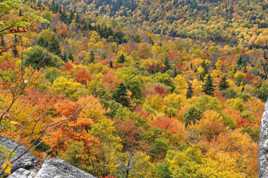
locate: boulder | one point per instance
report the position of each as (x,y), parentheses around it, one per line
(22,173)
(56,168)
(26,166)
(27,161)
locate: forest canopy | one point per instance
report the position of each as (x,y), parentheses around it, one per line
(133,88)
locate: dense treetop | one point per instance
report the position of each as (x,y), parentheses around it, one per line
(136,89)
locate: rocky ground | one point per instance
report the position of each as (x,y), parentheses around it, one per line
(26,165)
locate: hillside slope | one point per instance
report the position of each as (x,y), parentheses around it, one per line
(113,91)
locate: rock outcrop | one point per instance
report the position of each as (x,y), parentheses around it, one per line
(23,173)
(26,166)
(60,169)
(20,156)
(263,145)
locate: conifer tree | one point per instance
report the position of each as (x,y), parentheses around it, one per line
(121,96)
(121,59)
(223,83)
(189,93)
(208,86)
(167,64)
(55,7)
(14,48)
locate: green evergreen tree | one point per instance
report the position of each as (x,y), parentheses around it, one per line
(49,40)
(122,59)
(159,148)
(193,4)
(77,18)
(163,171)
(223,84)
(208,86)
(14,47)
(71,16)
(167,64)
(121,96)
(55,7)
(39,57)
(192,116)
(242,62)
(205,67)
(189,92)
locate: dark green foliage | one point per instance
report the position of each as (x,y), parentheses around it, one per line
(208,86)
(193,4)
(189,92)
(242,62)
(52,74)
(55,7)
(165,79)
(118,4)
(66,17)
(229,93)
(103,30)
(163,171)
(135,87)
(39,57)
(262,92)
(40,146)
(167,64)
(223,83)
(67,56)
(98,90)
(229,122)
(14,48)
(108,33)
(159,148)
(192,116)
(264,66)
(252,132)
(205,67)
(121,95)
(121,59)
(50,41)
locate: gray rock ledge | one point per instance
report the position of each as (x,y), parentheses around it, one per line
(263,145)
(27,165)
(27,161)
(56,168)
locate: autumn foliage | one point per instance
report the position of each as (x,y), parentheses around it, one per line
(180,95)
